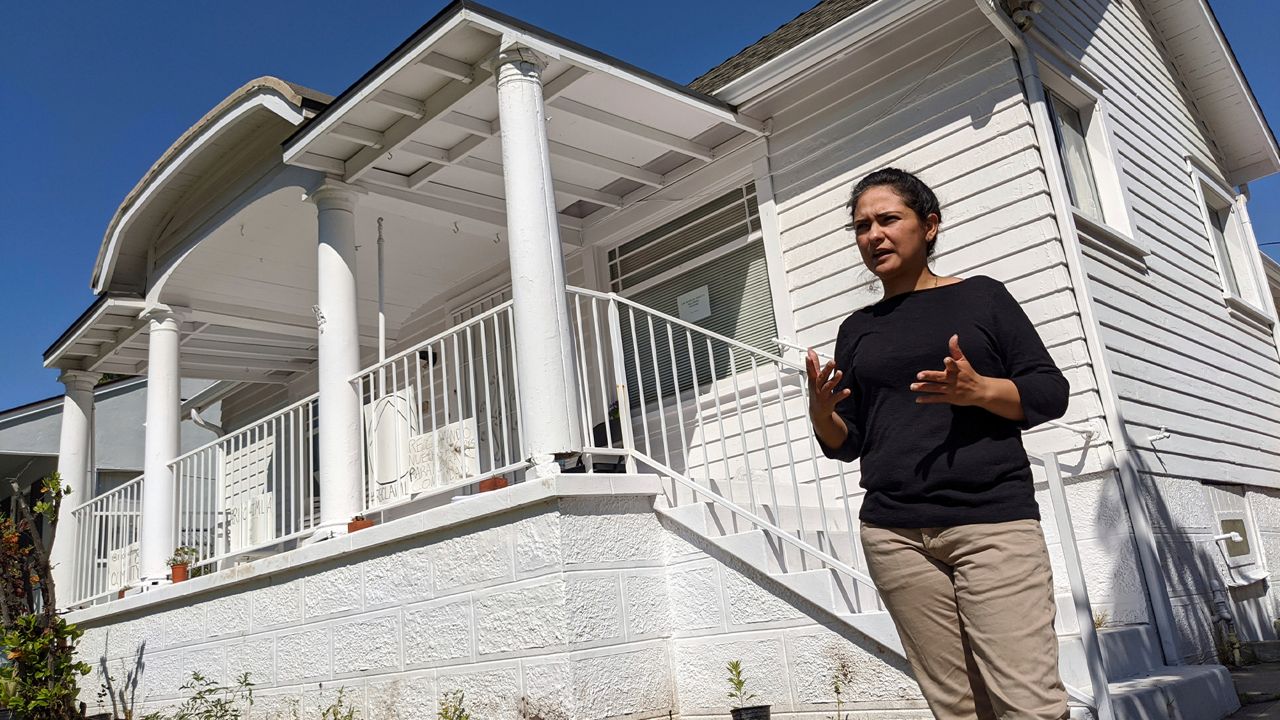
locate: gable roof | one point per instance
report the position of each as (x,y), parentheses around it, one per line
(797,30)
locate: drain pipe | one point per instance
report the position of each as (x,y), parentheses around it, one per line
(1148,555)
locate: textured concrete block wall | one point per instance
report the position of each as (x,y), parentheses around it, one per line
(722,611)
(1265,508)
(563,603)
(1108,554)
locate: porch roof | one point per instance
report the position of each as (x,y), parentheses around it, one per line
(422,125)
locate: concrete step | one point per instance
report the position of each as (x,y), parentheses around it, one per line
(1127,652)
(1185,692)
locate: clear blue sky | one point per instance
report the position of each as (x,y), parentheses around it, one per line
(91,93)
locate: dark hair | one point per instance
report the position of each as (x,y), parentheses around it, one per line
(914,192)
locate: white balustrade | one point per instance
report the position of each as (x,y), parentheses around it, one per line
(443,414)
(108,543)
(251,490)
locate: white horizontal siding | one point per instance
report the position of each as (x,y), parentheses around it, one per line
(947,105)
(1180,360)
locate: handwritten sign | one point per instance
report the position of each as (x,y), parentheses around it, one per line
(433,460)
(249,507)
(122,566)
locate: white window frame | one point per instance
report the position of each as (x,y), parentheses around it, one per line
(1115,231)
(1211,190)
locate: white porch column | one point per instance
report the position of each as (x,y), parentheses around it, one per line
(543,335)
(339,357)
(75,466)
(162,437)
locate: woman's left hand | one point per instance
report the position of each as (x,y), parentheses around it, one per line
(958,384)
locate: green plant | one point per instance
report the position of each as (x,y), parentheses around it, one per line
(738,684)
(452,706)
(841,679)
(339,710)
(1101,618)
(210,700)
(40,679)
(183,555)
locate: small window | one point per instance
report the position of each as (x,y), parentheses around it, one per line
(1071,133)
(1232,248)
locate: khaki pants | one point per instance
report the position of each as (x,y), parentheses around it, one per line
(974,607)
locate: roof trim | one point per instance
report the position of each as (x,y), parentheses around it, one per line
(289,101)
(13,413)
(813,50)
(87,319)
(457,12)
(1251,172)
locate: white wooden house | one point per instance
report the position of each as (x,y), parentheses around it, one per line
(500,253)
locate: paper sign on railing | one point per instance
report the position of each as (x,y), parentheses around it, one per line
(433,460)
(122,566)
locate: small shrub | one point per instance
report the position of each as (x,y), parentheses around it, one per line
(211,701)
(452,706)
(338,709)
(738,685)
(841,679)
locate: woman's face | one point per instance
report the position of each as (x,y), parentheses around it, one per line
(891,237)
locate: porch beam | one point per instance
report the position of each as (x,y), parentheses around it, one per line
(449,67)
(123,337)
(357,134)
(577,192)
(230,348)
(396,102)
(652,135)
(235,375)
(477,200)
(589,159)
(441,102)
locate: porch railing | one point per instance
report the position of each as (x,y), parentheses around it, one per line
(442,414)
(110,532)
(250,490)
(723,421)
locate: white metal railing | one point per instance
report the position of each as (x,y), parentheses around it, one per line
(724,421)
(729,423)
(442,414)
(252,489)
(110,529)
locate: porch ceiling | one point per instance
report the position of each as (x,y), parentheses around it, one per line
(423,124)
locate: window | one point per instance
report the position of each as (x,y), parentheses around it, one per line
(713,258)
(1085,150)
(1233,249)
(1073,149)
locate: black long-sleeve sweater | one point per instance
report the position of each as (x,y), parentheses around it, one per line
(926,465)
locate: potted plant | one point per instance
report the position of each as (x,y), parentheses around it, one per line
(120,593)
(359,522)
(496,482)
(739,695)
(180,563)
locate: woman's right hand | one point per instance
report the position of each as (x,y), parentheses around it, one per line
(824,381)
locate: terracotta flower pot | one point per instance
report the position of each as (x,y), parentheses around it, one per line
(120,595)
(360,524)
(179,572)
(755,712)
(497,482)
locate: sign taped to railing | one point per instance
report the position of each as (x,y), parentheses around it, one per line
(122,566)
(248,500)
(430,460)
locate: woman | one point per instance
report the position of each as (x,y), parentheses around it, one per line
(931,388)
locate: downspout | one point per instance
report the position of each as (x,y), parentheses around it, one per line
(1144,538)
(200,422)
(1242,206)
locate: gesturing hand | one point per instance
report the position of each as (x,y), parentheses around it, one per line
(823,382)
(957,384)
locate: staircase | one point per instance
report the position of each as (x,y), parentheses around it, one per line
(726,426)
(1142,688)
